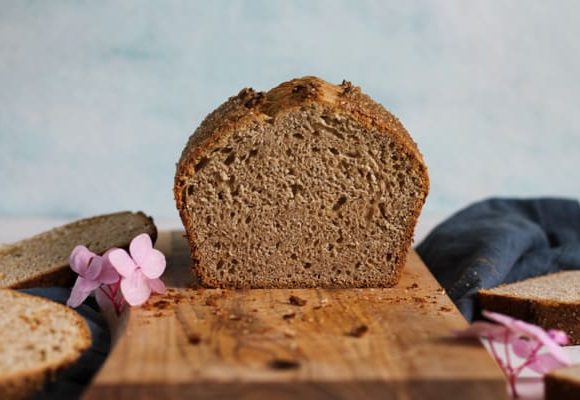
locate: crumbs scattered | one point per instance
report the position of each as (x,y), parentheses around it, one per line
(234,317)
(289,316)
(297,301)
(193,338)
(283,364)
(170,298)
(413,286)
(161,304)
(358,331)
(211,300)
(445,308)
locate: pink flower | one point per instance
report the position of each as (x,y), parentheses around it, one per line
(93,270)
(140,271)
(526,341)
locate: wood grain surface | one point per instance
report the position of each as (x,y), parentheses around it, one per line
(259,344)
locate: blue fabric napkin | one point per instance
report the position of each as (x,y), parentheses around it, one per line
(501,241)
(71,382)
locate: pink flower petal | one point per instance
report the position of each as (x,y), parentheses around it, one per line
(481,329)
(80,291)
(153,264)
(102,300)
(109,274)
(135,288)
(157,286)
(122,262)
(531,331)
(79,259)
(559,336)
(94,269)
(140,247)
(499,318)
(546,362)
(523,348)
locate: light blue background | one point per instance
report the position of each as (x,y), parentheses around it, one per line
(98,98)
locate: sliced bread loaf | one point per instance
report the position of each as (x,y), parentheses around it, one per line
(43,260)
(550,301)
(563,384)
(39,337)
(307,185)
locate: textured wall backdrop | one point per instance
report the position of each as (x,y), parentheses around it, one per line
(98,98)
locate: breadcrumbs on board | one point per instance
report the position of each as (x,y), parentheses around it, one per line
(413,286)
(193,338)
(289,316)
(297,301)
(358,331)
(283,364)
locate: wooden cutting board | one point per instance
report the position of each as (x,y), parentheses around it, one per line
(253,344)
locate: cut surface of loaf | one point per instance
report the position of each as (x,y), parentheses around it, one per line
(307,185)
(563,384)
(43,260)
(550,301)
(39,337)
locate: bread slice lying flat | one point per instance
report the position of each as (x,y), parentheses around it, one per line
(550,301)
(43,260)
(307,185)
(563,384)
(39,337)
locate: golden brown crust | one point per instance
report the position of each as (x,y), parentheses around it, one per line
(23,384)
(251,107)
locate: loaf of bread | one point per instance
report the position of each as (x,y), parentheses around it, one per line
(39,337)
(563,384)
(43,260)
(550,301)
(307,185)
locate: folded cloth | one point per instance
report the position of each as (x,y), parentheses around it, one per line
(501,241)
(71,382)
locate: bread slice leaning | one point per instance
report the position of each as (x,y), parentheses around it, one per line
(550,301)
(563,384)
(307,185)
(43,260)
(39,337)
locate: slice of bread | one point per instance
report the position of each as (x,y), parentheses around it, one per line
(39,337)
(43,260)
(550,301)
(563,384)
(307,185)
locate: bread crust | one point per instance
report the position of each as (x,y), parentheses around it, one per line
(62,275)
(23,384)
(563,384)
(545,313)
(250,107)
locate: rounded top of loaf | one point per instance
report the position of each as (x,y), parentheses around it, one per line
(249,107)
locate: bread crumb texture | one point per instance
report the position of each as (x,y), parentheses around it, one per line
(307,185)
(40,337)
